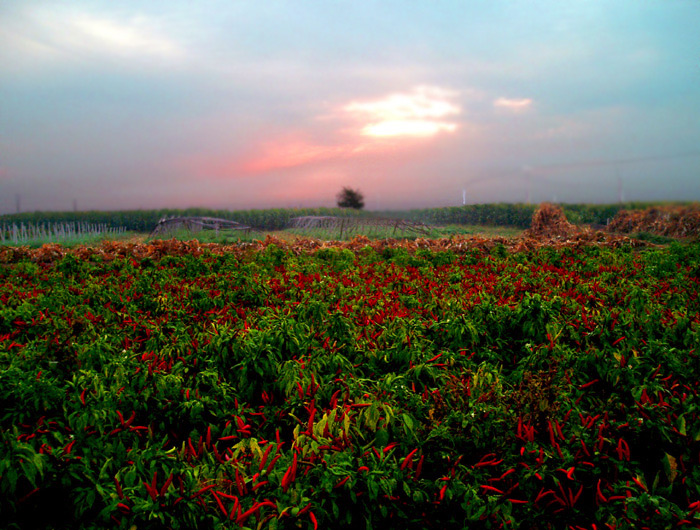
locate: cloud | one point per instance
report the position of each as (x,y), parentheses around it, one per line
(293,152)
(44,36)
(422,112)
(136,36)
(514,105)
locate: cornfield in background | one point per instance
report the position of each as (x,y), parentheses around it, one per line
(28,234)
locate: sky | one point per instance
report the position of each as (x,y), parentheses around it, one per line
(243,104)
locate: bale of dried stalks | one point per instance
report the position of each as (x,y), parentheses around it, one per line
(549,221)
(670,221)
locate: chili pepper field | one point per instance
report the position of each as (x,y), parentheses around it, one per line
(364,387)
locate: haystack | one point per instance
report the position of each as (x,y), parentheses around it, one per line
(671,221)
(549,221)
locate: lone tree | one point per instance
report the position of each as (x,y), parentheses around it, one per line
(349,198)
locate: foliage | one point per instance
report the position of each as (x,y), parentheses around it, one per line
(350,198)
(556,388)
(513,215)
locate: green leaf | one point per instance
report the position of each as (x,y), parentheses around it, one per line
(382,438)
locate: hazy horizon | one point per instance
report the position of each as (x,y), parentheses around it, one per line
(249,105)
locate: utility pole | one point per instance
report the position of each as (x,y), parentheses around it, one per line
(620,194)
(528,171)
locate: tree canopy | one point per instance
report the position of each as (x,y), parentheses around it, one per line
(349,198)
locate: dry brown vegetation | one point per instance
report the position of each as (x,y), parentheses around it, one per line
(670,221)
(549,228)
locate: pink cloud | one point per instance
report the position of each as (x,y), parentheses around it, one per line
(514,105)
(294,152)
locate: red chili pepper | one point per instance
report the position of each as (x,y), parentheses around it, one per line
(489,463)
(119,488)
(240,484)
(235,510)
(68,448)
(390,446)
(517,501)
(542,494)
(334,399)
(419,467)
(123,507)
(221,504)
(599,493)
(244,516)
(153,493)
(639,483)
(504,475)
(82,396)
(199,492)
(590,383)
(154,481)
(259,485)
(617,498)
(310,426)
(273,462)
(569,472)
(166,484)
(442,491)
(263,460)
(288,478)
(618,341)
(623,450)
(574,498)
(341,482)
(559,432)
(408,458)
(363,469)
(491,488)
(313,520)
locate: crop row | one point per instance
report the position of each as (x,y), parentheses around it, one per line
(502,214)
(550,389)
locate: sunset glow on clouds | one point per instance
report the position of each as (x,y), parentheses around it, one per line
(294,152)
(383,125)
(515,105)
(421,112)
